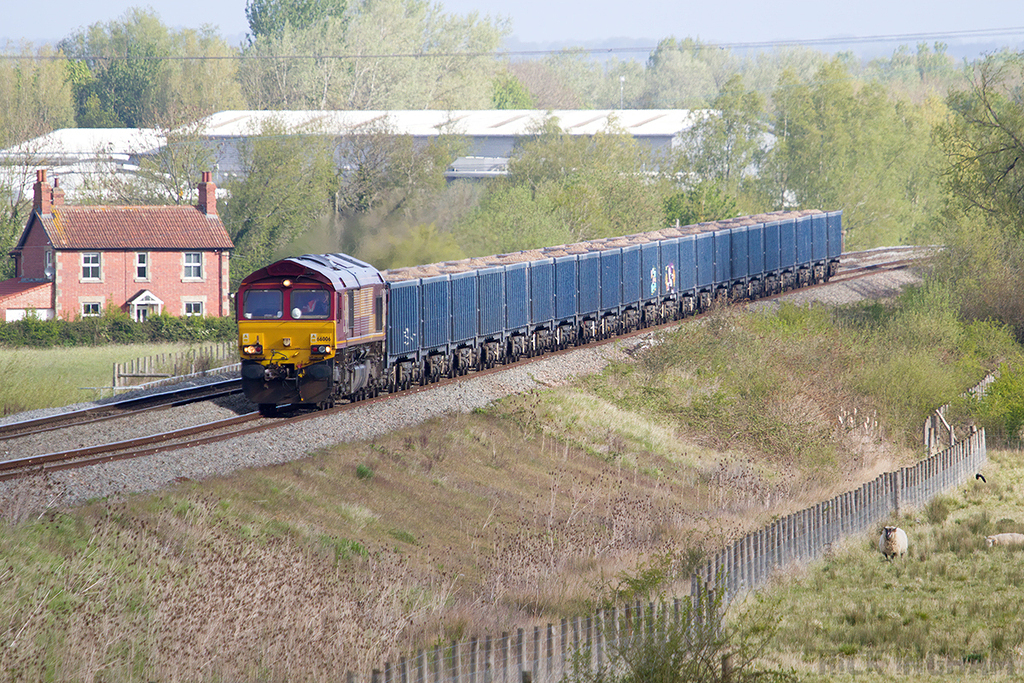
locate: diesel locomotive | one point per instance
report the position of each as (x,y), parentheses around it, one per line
(311,330)
(320,328)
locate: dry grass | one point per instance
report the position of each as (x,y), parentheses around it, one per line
(462,526)
(535,509)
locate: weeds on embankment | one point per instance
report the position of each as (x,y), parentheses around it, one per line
(470,524)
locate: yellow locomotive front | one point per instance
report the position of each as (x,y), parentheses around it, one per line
(296,320)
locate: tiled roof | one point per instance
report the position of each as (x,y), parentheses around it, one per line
(14,286)
(134,227)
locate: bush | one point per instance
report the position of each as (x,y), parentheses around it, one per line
(694,644)
(115,327)
(1001,410)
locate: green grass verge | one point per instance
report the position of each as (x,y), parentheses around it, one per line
(44,378)
(952,601)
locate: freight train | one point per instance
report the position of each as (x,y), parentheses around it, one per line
(320,328)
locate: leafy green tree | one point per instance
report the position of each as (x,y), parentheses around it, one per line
(382,167)
(123,60)
(984,142)
(703,202)
(928,72)
(728,143)
(35,93)
(982,219)
(844,144)
(677,78)
(404,54)
(201,80)
(284,188)
(269,17)
(123,74)
(510,93)
(510,218)
(571,187)
(36,100)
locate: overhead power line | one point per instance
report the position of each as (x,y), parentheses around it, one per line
(839,40)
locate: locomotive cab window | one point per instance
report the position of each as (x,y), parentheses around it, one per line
(262,304)
(310,303)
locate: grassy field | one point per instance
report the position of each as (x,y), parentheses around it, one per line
(952,601)
(43,378)
(536,508)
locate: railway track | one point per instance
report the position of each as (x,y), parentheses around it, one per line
(856,265)
(120,409)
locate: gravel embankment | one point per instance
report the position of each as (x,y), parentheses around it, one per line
(365,422)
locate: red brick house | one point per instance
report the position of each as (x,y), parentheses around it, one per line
(76,260)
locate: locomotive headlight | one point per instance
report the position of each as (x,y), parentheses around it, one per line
(320,349)
(253,349)
(287,341)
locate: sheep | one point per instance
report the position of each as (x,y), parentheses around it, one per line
(892,542)
(1005,539)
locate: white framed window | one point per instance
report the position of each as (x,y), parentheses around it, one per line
(90,265)
(90,309)
(193,265)
(193,308)
(141,266)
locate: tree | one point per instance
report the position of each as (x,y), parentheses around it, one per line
(596,186)
(36,100)
(269,17)
(401,54)
(729,142)
(703,202)
(510,218)
(382,167)
(844,144)
(510,93)
(200,80)
(983,220)
(984,143)
(137,73)
(284,188)
(547,88)
(169,176)
(677,78)
(122,60)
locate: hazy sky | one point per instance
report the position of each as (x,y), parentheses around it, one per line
(547,21)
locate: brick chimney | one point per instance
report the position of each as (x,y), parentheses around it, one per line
(42,193)
(207,195)
(57,194)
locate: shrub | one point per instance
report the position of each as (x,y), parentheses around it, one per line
(694,644)
(115,327)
